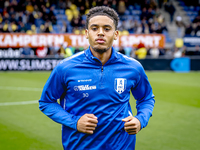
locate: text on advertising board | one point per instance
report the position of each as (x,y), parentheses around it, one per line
(18,40)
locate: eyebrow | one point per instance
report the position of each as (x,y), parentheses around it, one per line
(98,25)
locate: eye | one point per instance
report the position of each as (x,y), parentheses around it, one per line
(94,28)
(107,29)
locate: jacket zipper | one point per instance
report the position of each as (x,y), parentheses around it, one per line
(101,80)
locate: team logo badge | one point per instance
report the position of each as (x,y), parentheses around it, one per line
(120,85)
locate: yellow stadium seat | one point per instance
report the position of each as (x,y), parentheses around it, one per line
(125,32)
(50,28)
(1,19)
(75,13)
(29,32)
(42,27)
(68,12)
(47,4)
(36,16)
(94,3)
(69,17)
(87,11)
(120,33)
(73,7)
(14,27)
(5,27)
(179,42)
(83,31)
(76,31)
(33,27)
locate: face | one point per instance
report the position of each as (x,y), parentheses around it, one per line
(101,33)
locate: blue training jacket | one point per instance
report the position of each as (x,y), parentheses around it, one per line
(83,86)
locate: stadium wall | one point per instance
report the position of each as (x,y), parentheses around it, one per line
(183,64)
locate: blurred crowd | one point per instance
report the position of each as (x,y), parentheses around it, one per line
(194,27)
(139,52)
(39,16)
(21,15)
(44,16)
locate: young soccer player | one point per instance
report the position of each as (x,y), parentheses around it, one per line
(94,91)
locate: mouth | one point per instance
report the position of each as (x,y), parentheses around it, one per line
(100,41)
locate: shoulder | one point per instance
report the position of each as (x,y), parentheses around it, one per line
(132,65)
(131,62)
(70,61)
(74,58)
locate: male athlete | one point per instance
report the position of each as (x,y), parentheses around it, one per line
(94,91)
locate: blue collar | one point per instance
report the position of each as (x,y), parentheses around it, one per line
(113,58)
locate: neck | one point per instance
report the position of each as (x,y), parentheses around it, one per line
(103,57)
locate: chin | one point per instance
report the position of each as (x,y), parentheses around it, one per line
(100,49)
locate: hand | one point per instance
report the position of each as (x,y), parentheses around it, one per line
(87,123)
(132,125)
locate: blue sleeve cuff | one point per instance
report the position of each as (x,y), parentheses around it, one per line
(140,118)
(74,124)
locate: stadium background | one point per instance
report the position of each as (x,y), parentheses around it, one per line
(164,35)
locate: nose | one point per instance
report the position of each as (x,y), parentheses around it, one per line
(100,33)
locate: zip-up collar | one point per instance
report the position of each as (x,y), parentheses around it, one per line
(89,55)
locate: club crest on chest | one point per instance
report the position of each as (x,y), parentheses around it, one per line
(120,85)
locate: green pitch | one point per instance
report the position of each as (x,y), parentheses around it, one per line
(175,124)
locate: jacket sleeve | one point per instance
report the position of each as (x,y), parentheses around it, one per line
(48,104)
(143,94)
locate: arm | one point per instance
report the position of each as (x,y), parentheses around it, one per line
(144,98)
(52,91)
(144,104)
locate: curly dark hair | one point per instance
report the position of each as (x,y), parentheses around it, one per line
(103,11)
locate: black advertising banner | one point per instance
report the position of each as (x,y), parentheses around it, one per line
(183,64)
(28,64)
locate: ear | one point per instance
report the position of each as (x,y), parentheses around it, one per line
(116,35)
(86,33)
